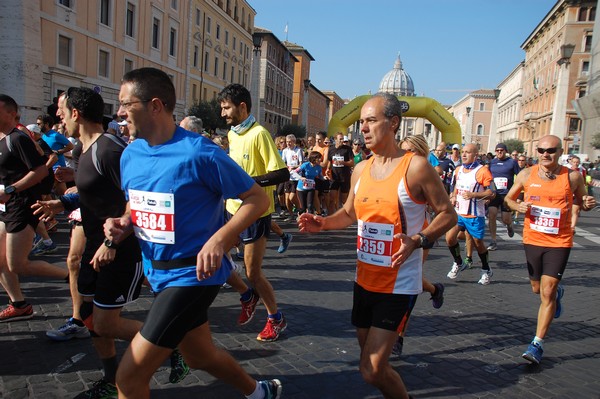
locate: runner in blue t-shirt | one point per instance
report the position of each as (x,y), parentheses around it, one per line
(503,169)
(175,182)
(309,171)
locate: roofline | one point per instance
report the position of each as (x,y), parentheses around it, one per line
(298,48)
(264,31)
(543,22)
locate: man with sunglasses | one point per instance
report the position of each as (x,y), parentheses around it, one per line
(504,169)
(552,193)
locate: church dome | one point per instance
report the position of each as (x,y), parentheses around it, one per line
(397,81)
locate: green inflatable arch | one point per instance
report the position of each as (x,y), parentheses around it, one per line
(420,107)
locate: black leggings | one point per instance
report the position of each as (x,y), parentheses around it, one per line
(306,200)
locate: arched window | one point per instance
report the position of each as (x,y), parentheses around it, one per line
(480,130)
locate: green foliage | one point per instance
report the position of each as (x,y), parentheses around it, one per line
(596,141)
(210,113)
(296,130)
(515,145)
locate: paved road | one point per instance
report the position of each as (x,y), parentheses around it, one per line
(470,348)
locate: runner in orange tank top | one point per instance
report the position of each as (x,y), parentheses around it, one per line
(390,238)
(552,194)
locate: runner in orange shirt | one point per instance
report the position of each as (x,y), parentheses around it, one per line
(552,194)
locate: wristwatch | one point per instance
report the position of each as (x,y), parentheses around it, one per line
(110,244)
(425,244)
(10,190)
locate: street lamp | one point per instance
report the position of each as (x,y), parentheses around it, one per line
(257,43)
(305,104)
(566,51)
(468,125)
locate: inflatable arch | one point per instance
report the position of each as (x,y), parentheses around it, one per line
(420,107)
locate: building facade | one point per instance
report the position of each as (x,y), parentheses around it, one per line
(556,71)
(276,81)
(474,112)
(201,44)
(509,105)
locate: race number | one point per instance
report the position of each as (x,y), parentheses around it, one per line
(545,220)
(501,183)
(374,243)
(153,216)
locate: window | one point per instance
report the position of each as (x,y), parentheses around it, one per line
(216,66)
(196,56)
(103,63)
(195,92)
(105,12)
(587,47)
(592,14)
(581,93)
(582,14)
(574,124)
(224,70)
(233,44)
(232,74)
(128,66)
(198,17)
(174,4)
(585,68)
(129,20)
(64,51)
(208,22)
(226,37)
(482,106)
(65,3)
(218,34)
(206,62)
(155,33)
(172,42)
(480,130)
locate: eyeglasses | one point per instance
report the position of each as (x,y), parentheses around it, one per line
(550,150)
(128,104)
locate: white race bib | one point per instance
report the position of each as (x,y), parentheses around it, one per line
(308,184)
(543,219)
(338,161)
(374,244)
(501,183)
(153,216)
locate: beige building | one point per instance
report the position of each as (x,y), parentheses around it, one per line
(275,81)
(557,65)
(509,105)
(202,44)
(474,113)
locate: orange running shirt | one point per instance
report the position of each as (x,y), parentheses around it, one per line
(384,208)
(548,220)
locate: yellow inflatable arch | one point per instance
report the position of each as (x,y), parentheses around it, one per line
(420,107)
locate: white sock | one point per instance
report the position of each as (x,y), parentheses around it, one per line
(48,242)
(259,392)
(538,340)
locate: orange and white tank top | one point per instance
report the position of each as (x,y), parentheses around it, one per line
(467,182)
(548,220)
(384,208)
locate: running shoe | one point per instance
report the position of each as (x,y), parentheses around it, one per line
(248,309)
(398,346)
(437,300)
(272,330)
(511,230)
(272,388)
(10,313)
(68,331)
(453,273)
(533,353)
(284,242)
(560,291)
(468,262)
(486,277)
(37,241)
(101,389)
(43,249)
(179,369)
(493,246)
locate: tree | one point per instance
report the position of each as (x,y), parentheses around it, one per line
(596,141)
(514,145)
(210,113)
(296,130)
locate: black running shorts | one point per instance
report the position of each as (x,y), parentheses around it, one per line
(385,311)
(176,311)
(546,261)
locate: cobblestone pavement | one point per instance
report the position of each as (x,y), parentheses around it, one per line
(470,348)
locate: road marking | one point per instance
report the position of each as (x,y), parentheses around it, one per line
(587,235)
(67,365)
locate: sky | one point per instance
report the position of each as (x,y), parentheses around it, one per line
(448,47)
